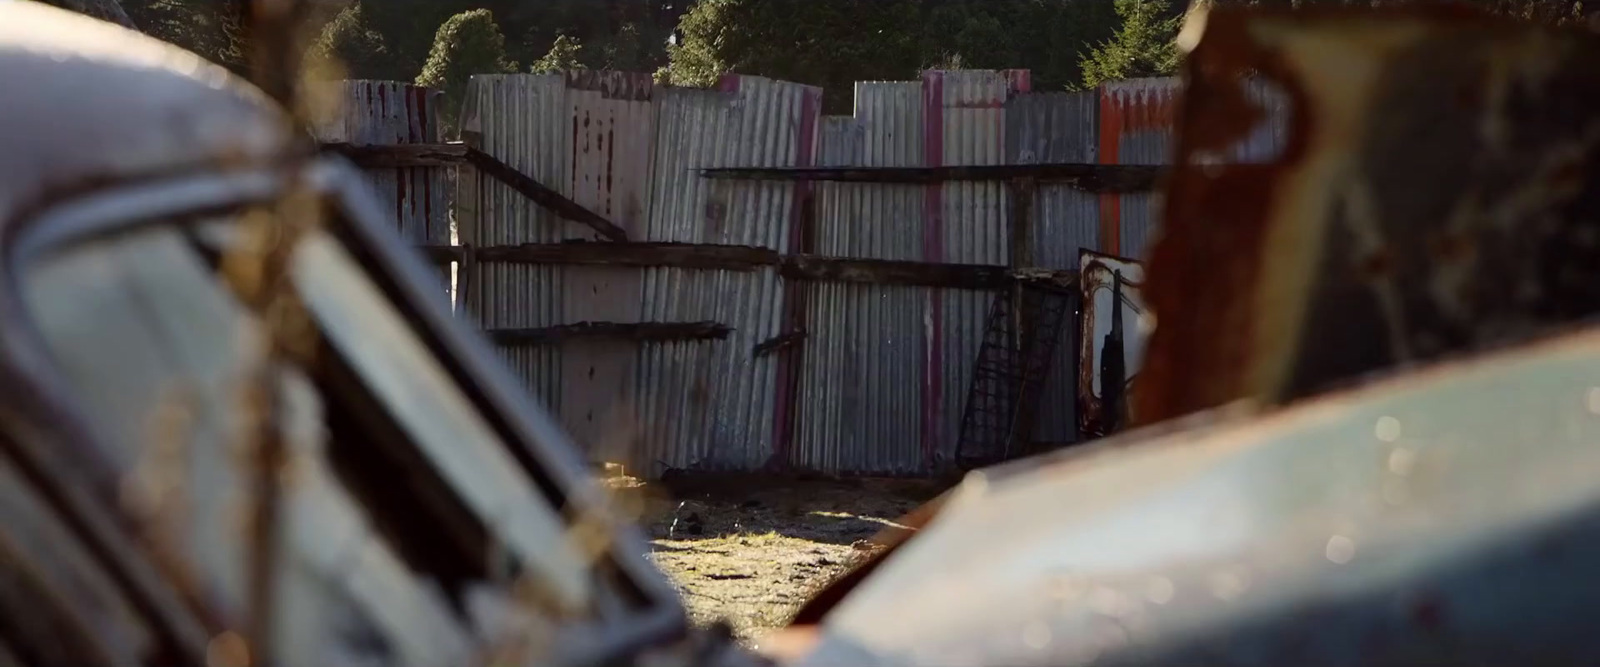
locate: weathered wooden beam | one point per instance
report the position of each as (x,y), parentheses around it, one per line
(634,331)
(779,342)
(535,191)
(804,268)
(895,272)
(401,155)
(442,254)
(1022,194)
(682,255)
(1089,177)
(456,153)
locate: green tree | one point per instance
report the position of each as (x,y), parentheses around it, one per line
(1143,45)
(831,44)
(1048,37)
(565,54)
(384,39)
(617,34)
(834,43)
(630,50)
(468,43)
(357,49)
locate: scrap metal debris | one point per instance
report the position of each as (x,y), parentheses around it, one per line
(1111,340)
(1436,195)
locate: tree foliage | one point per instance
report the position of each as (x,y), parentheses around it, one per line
(385,39)
(616,34)
(468,43)
(357,50)
(1049,37)
(1143,45)
(830,44)
(835,43)
(565,54)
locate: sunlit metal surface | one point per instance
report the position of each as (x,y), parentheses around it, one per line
(102,101)
(1451,515)
(713,405)
(861,386)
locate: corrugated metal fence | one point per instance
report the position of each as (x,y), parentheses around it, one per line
(382,113)
(877,385)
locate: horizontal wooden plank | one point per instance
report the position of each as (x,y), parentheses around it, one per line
(683,255)
(401,155)
(1084,176)
(442,254)
(634,331)
(893,272)
(748,258)
(779,343)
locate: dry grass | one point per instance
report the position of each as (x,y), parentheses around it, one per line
(749,550)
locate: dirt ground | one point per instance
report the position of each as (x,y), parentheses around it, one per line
(749,550)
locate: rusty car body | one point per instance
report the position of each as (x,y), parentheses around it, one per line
(431,515)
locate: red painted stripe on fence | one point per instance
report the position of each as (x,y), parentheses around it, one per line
(796,295)
(1111,127)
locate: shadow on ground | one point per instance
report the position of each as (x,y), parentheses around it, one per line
(834,511)
(750,549)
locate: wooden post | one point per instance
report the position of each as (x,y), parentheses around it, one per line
(1022,194)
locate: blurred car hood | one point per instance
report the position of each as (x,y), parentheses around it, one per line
(1445,516)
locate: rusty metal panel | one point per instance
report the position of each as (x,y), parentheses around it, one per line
(1422,206)
(1096,273)
(385,113)
(964,122)
(1136,120)
(714,405)
(524,120)
(862,385)
(612,122)
(1045,128)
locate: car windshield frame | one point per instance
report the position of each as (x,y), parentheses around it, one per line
(530,435)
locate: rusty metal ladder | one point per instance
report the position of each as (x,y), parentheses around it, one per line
(1025,326)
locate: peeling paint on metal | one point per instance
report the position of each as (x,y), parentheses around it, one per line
(714,405)
(1136,121)
(612,120)
(523,120)
(386,113)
